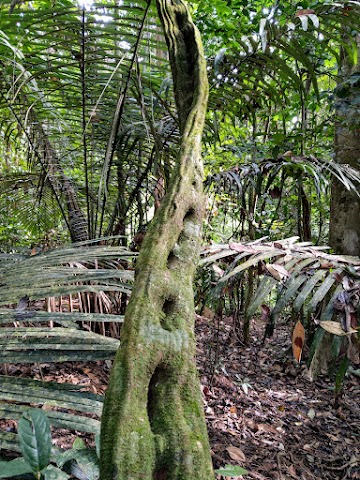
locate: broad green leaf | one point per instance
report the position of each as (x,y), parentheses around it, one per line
(14,468)
(78,444)
(35,439)
(53,473)
(231,471)
(86,461)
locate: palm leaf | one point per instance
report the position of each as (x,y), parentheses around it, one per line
(75,72)
(18,394)
(39,344)
(311,275)
(47,274)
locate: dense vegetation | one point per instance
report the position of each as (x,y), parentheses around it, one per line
(93,115)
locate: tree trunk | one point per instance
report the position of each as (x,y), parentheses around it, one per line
(62,187)
(345,205)
(344,229)
(153,424)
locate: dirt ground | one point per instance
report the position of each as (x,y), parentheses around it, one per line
(262,411)
(265,415)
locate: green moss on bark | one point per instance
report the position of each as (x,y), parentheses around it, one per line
(153,424)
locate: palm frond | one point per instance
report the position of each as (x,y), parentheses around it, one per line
(305,276)
(64,271)
(75,71)
(39,344)
(79,267)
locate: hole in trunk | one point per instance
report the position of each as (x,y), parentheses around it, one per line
(156,380)
(155,415)
(169,306)
(171,261)
(190,214)
(168,309)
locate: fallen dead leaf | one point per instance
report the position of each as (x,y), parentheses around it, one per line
(236,454)
(335,328)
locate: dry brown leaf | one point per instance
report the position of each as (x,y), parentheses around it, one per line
(265,428)
(335,328)
(265,313)
(277,271)
(221,381)
(299,13)
(219,271)
(236,454)
(298,338)
(292,471)
(239,247)
(353,351)
(326,264)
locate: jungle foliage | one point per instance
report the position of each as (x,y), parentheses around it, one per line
(89,135)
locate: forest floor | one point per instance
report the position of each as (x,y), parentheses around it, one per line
(265,415)
(262,411)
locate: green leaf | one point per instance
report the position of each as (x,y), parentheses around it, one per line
(231,471)
(340,375)
(86,462)
(254,260)
(54,473)
(322,290)
(35,439)
(14,468)
(307,289)
(78,444)
(28,345)
(291,288)
(266,284)
(97,444)
(318,338)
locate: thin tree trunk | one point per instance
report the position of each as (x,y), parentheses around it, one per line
(153,424)
(63,187)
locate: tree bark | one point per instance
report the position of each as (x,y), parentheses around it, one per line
(153,424)
(345,205)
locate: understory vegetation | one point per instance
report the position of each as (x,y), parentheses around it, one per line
(97,116)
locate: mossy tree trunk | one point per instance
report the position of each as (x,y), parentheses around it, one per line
(345,205)
(344,228)
(153,424)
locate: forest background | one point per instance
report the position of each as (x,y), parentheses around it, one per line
(89,138)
